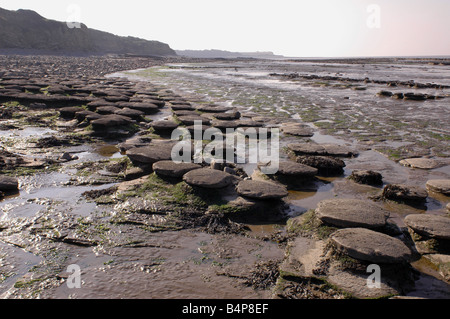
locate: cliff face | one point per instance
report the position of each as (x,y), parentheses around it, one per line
(26,31)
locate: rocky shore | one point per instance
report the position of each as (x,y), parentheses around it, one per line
(87,176)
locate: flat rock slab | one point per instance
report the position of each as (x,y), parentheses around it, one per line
(296,169)
(192,120)
(297,129)
(400,192)
(261,190)
(322,149)
(208,178)
(172,169)
(164,125)
(8,184)
(111,120)
(152,153)
(351,213)
(439,186)
(422,163)
(371,246)
(433,226)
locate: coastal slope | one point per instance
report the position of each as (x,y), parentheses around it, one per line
(25,31)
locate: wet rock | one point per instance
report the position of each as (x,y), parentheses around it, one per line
(297,129)
(87,115)
(439,186)
(183,107)
(371,246)
(213,109)
(404,193)
(433,226)
(70,111)
(415,96)
(104,110)
(147,108)
(164,126)
(109,121)
(366,177)
(152,153)
(385,93)
(322,150)
(227,116)
(297,170)
(8,184)
(422,163)
(133,114)
(261,190)
(223,125)
(351,213)
(191,120)
(66,157)
(172,169)
(208,178)
(327,166)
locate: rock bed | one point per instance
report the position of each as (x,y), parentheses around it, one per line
(333,244)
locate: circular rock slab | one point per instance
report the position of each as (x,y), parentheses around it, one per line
(172,169)
(422,163)
(296,169)
(439,186)
(208,178)
(429,225)
(261,190)
(322,149)
(371,246)
(152,153)
(351,213)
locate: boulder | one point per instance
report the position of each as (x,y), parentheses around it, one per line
(439,186)
(208,178)
(172,169)
(261,190)
(433,226)
(366,177)
(371,246)
(8,184)
(351,213)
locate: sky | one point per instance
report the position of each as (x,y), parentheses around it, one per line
(294,28)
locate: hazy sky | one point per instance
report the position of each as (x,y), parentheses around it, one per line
(302,28)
